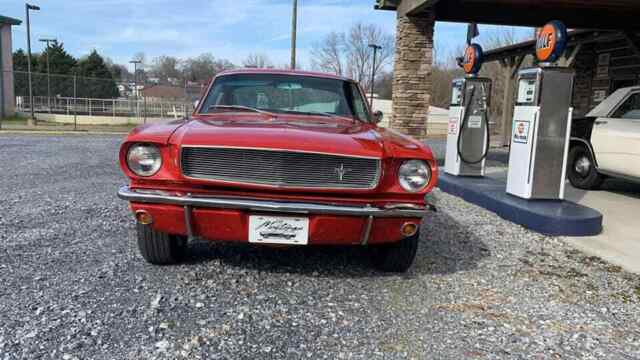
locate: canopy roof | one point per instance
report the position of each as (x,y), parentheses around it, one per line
(591,14)
(10,21)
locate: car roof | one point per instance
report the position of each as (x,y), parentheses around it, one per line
(283,72)
(609,105)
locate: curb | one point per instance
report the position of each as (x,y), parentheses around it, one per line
(547,217)
(61,132)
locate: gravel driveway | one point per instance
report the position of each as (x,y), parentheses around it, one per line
(72,284)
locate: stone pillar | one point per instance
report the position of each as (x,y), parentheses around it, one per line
(7,97)
(412,74)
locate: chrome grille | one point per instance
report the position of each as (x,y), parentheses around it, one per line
(280,168)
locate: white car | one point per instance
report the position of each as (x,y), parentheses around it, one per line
(607,141)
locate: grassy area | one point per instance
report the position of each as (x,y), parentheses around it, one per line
(14,120)
(19,123)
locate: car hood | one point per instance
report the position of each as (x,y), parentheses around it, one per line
(308,134)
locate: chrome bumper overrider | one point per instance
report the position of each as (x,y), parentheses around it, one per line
(162,197)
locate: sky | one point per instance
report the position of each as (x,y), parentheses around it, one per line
(230,29)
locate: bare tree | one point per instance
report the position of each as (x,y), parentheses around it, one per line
(120,72)
(140,56)
(328,55)
(445,69)
(498,38)
(165,68)
(203,67)
(348,54)
(257,60)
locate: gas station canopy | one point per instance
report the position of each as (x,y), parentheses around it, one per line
(590,14)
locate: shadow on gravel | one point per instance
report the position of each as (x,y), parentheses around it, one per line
(446,247)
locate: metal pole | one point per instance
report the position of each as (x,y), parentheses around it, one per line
(294,32)
(75,102)
(2,102)
(135,88)
(135,85)
(48,71)
(48,81)
(33,117)
(144,109)
(373,71)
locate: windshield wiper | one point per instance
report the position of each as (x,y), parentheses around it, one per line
(310,113)
(241,107)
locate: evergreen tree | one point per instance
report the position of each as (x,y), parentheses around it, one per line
(61,65)
(96,80)
(20,71)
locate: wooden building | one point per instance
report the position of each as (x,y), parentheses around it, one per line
(614,22)
(604,61)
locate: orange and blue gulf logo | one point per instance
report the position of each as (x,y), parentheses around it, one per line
(551,42)
(472,60)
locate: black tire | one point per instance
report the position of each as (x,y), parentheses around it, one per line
(159,248)
(581,169)
(397,257)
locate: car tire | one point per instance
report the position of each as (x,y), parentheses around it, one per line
(397,257)
(581,169)
(159,248)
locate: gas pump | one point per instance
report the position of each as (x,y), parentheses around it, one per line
(468,129)
(542,123)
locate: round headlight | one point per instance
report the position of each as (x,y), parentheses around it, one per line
(414,175)
(144,159)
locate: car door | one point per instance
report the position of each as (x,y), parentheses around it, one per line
(616,138)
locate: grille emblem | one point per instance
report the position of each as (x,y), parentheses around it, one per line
(342,171)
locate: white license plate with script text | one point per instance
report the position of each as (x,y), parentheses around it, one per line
(278,230)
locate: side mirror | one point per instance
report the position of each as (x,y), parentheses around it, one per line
(377,116)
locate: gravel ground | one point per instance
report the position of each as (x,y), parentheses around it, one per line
(74,286)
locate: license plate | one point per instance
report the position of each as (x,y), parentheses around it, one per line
(278,230)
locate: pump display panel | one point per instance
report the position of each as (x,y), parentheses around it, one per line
(527,91)
(456,93)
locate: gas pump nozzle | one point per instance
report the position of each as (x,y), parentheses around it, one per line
(468,128)
(475,106)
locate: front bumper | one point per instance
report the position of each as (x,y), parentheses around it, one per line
(204,206)
(162,197)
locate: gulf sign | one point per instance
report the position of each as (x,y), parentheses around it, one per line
(551,42)
(472,61)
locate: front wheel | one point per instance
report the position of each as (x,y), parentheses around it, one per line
(581,169)
(397,257)
(159,248)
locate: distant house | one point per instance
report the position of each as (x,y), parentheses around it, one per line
(124,90)
(438,117)
(163,93)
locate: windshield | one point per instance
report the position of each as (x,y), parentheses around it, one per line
(278,93)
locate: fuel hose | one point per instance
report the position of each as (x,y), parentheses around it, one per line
(463,126)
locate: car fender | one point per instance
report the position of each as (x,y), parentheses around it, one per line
(577,140)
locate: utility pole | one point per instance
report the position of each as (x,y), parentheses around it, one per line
(2,102)
(48,70)
(32,120)
(135,82)
(373,70)
(294,33)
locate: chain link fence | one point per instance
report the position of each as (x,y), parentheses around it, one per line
(84,103)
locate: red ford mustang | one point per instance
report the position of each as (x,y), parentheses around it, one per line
(278,157)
